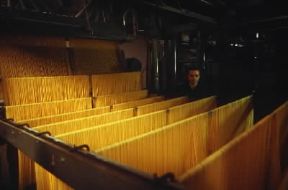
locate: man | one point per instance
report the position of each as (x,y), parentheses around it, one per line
(194,87)
(193,77)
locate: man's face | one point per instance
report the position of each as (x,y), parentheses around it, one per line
(193,77)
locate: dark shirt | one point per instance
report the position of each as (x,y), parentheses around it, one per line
(195,93)
(201,91)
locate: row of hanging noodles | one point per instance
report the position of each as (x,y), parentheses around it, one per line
(120,98)
(26,165)
(69,125)
(148,122)
(48,77)
(103,135)
(281,116)
(39,89)
(28,111)
(180,146)
(82,113)
(253,160)
(23,61)
(177,113)
(65,116)
(161,105)
(135,103)
(101,132)
(30,59)
(59,128)
(100,136)
(43,178)
(46,180)
(279,145)
(115,83)
(48,130)
(29,90)
(31,111)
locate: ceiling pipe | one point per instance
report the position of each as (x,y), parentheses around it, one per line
(214,2)
(184,12)
(267,24)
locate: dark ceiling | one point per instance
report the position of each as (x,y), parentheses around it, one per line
(120,16)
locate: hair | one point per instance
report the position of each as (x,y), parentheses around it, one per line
(192,67)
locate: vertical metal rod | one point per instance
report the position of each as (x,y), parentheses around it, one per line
(175,60)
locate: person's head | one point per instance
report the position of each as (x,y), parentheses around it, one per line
(193,76)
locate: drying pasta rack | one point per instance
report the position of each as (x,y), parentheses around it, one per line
(77,166)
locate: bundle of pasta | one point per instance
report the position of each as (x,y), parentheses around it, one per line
(115,83)
(27,61)
(228,121)
(46,180)
(29,111)
(177,113)
(85,122)
(173,148)
(148,108)
(26,172)
(119,98)
(103,135)
(20,112)
(135,103)
(110,133)
(27,90)
(233,164)
(180,146)
(94,56)
(65,116)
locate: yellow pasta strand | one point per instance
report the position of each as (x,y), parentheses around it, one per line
(74,141)
(135,103)
(85,122)
(177,113)
(42,178)
(26,171)
(46,180)
(65,116)
(119,98)
(240,150)
(29,90)
(115,83)
(29,111)
(110,133)
(167,149)
(1,91)
(246,174)
(161,105)
(26,166)
(230,120)
(94,56)
(177,147)
(33,59)
(279,143)
(256,143)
